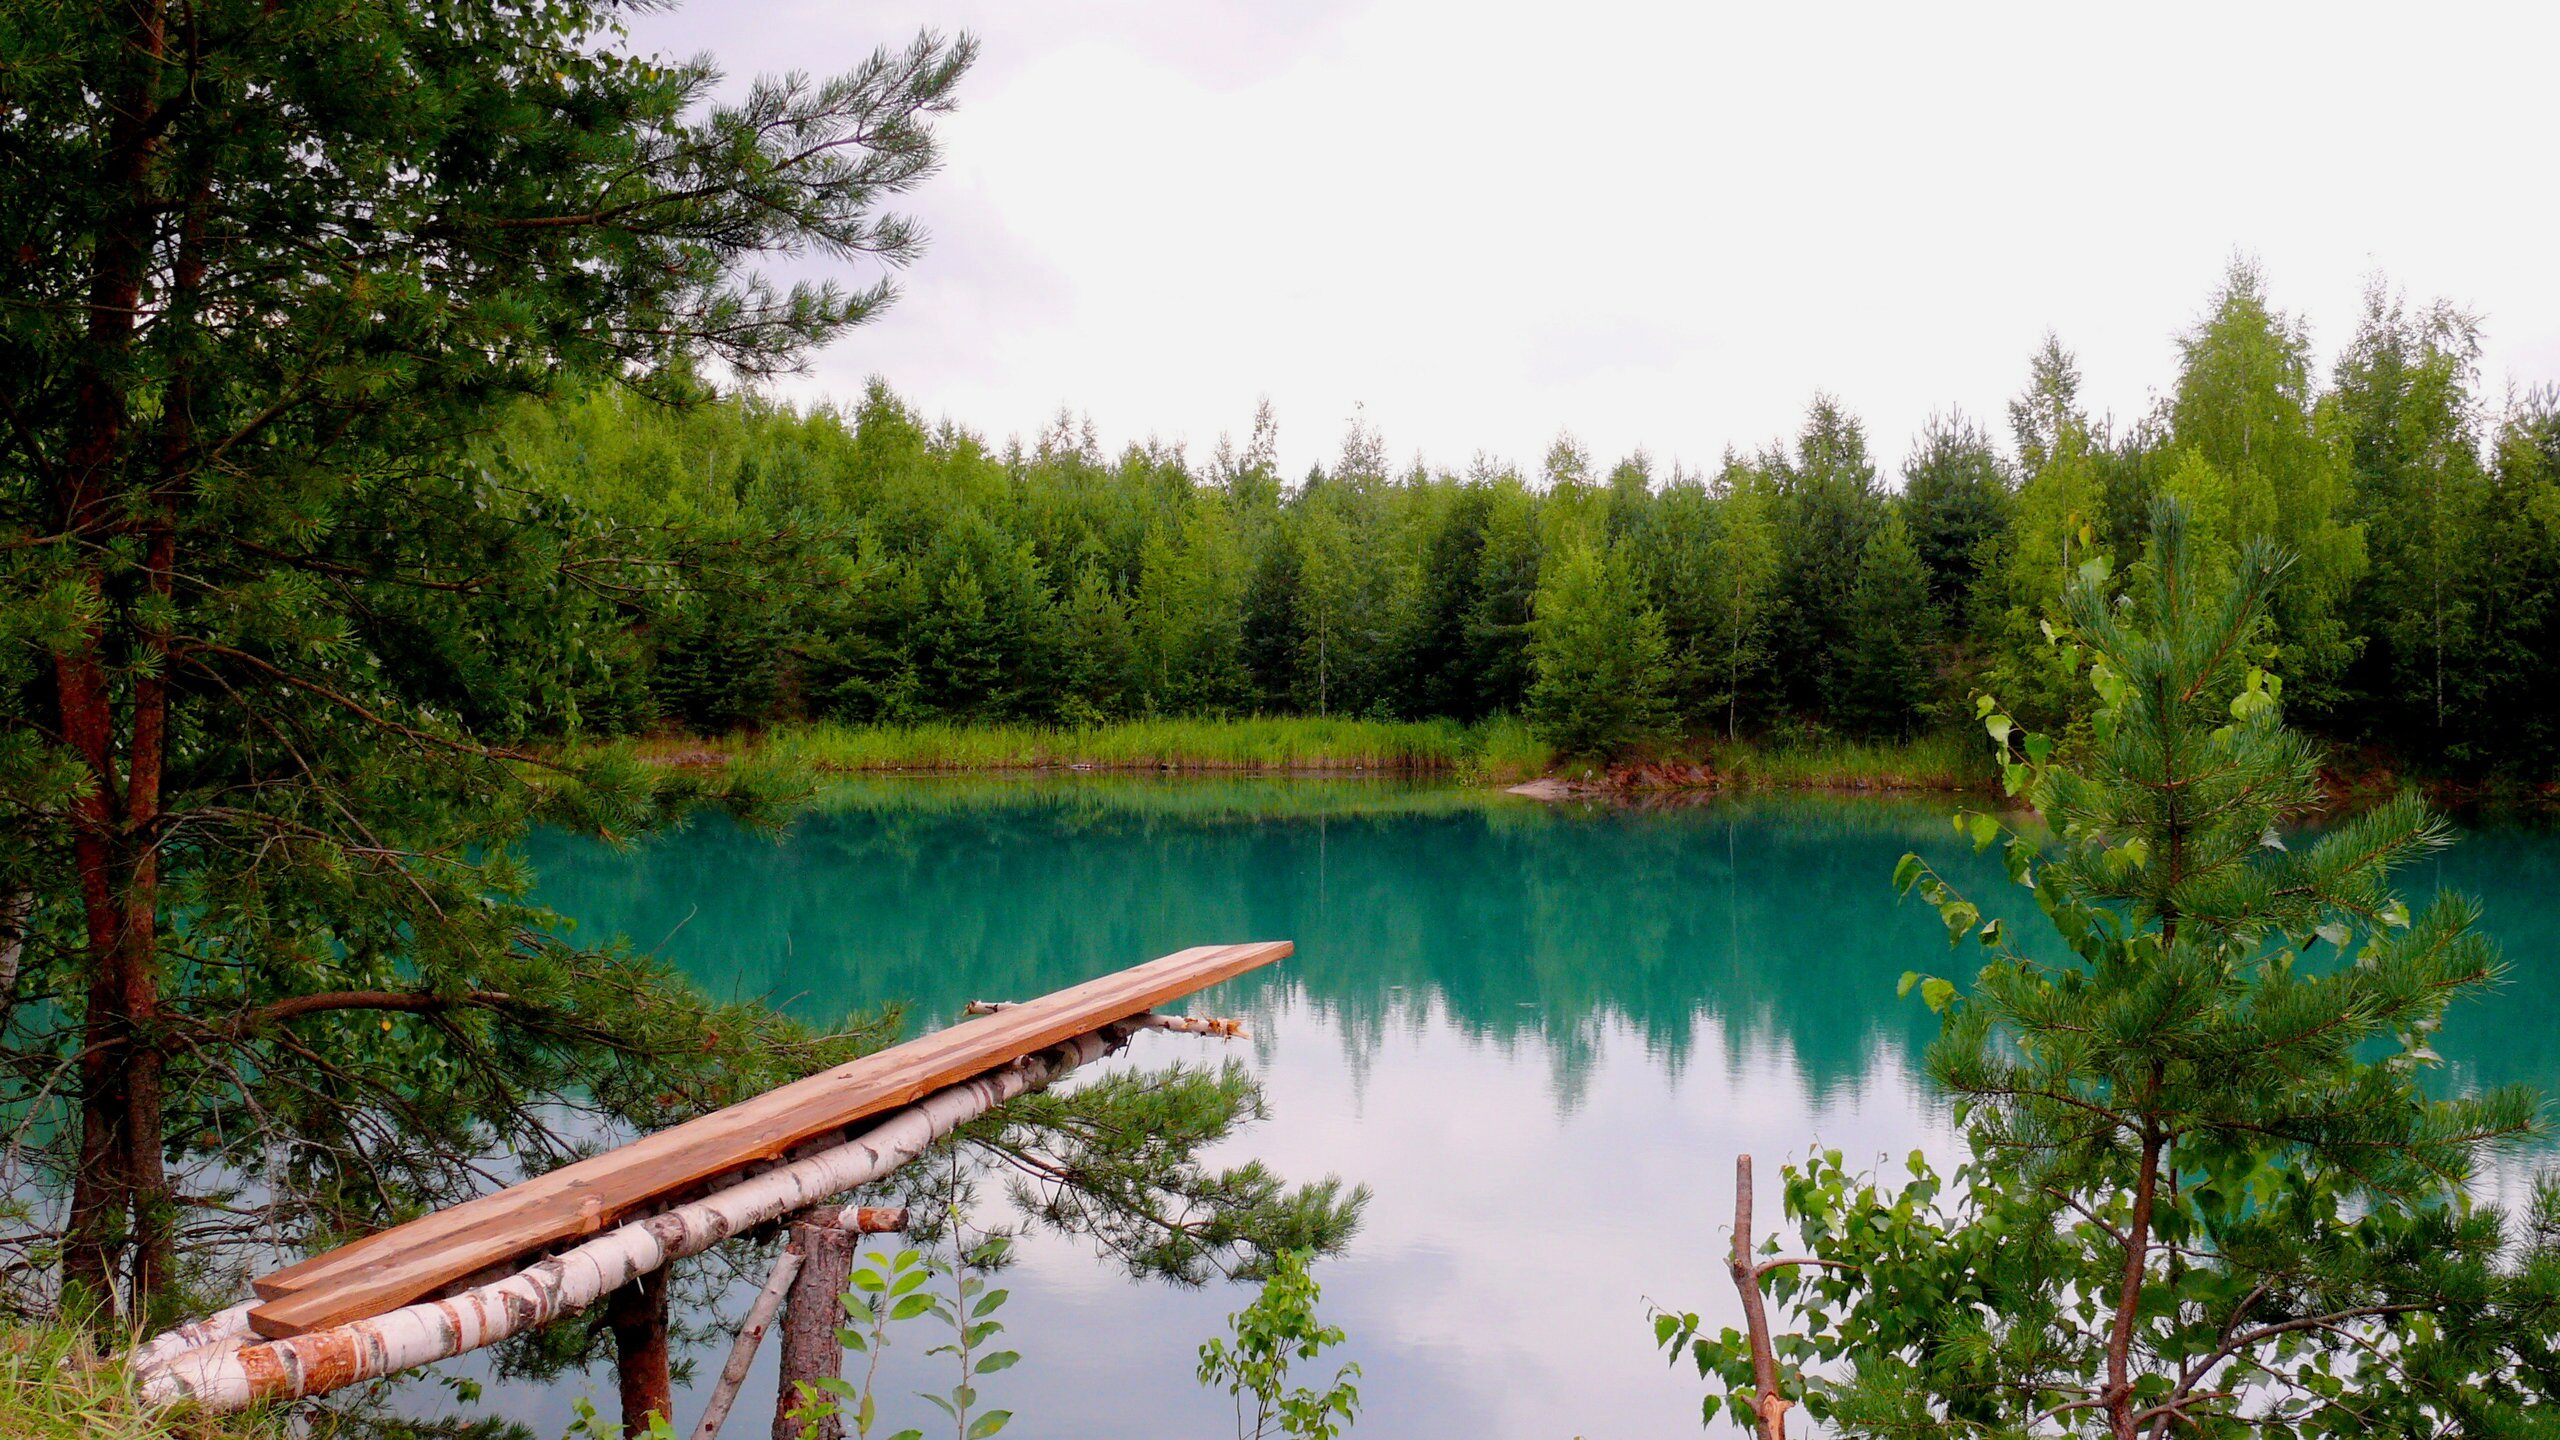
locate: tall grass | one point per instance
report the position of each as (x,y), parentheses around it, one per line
(1946,760)
(1499,751)
(52,1387)
(1278,743)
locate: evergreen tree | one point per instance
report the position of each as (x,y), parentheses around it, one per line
(1956,499)
(1273,637)
(1674,549)
(1603,668)
(1827,506)
(1498,624)
(2516,573)
(1097,652)
(1437,673)
(1885,664)
(2209,1190)
(270,267)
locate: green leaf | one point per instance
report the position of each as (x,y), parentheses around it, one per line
(998,1360)
(1909,979)
(988,1424)
(1935,993)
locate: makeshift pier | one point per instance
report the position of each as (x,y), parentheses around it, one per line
(475,1273)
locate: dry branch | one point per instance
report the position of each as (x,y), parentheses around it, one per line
(1768,1402)
(860,1220)
(742,1354)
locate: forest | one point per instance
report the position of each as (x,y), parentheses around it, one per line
(873,566)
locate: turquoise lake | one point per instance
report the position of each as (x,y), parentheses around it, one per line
(1539,1034)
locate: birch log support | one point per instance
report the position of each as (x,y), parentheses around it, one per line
(810,1315)
(1220,1027)
(228,1374)
(750,1337)
(1768,1403)
(637,1314)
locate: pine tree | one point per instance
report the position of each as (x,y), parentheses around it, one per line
(1956,499)
(1885,661)
(1828,505)
(270,266)
(1603,668)
(2210,1191)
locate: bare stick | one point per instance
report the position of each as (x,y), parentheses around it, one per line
(861,1220)
(1770,1405)
(750,1337)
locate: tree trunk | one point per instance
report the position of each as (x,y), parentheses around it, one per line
(119,1196)
(2137,1255)
(810,1315)
(637,1314)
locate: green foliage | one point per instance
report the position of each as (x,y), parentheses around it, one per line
(1827,505)
(272,627)
(1956,498)
(867,566)
(589,1425)
(55,1385)
(2256,468)
(1886,685)
(1263,1342)
(1603,666)
(2208,1189)
(1117,1162)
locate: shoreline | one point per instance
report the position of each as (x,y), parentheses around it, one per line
(1498,754)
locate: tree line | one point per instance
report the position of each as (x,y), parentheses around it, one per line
(868,565)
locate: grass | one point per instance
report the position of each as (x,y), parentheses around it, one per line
(1261,744)
(1499,751)
(52,1387)
(1946,760)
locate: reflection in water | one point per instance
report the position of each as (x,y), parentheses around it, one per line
(1539,1034)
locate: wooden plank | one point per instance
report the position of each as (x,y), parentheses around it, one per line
(404,1263)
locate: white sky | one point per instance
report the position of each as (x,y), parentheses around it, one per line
(1666,225)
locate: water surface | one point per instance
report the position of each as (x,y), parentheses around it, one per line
(1540,1034)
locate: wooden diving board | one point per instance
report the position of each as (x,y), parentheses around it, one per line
(412,1261)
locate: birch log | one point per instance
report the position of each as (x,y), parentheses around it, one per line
(1222,1028)
(227,1374)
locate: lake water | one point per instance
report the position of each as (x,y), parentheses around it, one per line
(1539,1034)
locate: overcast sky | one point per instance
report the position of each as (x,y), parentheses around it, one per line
(1666,225)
